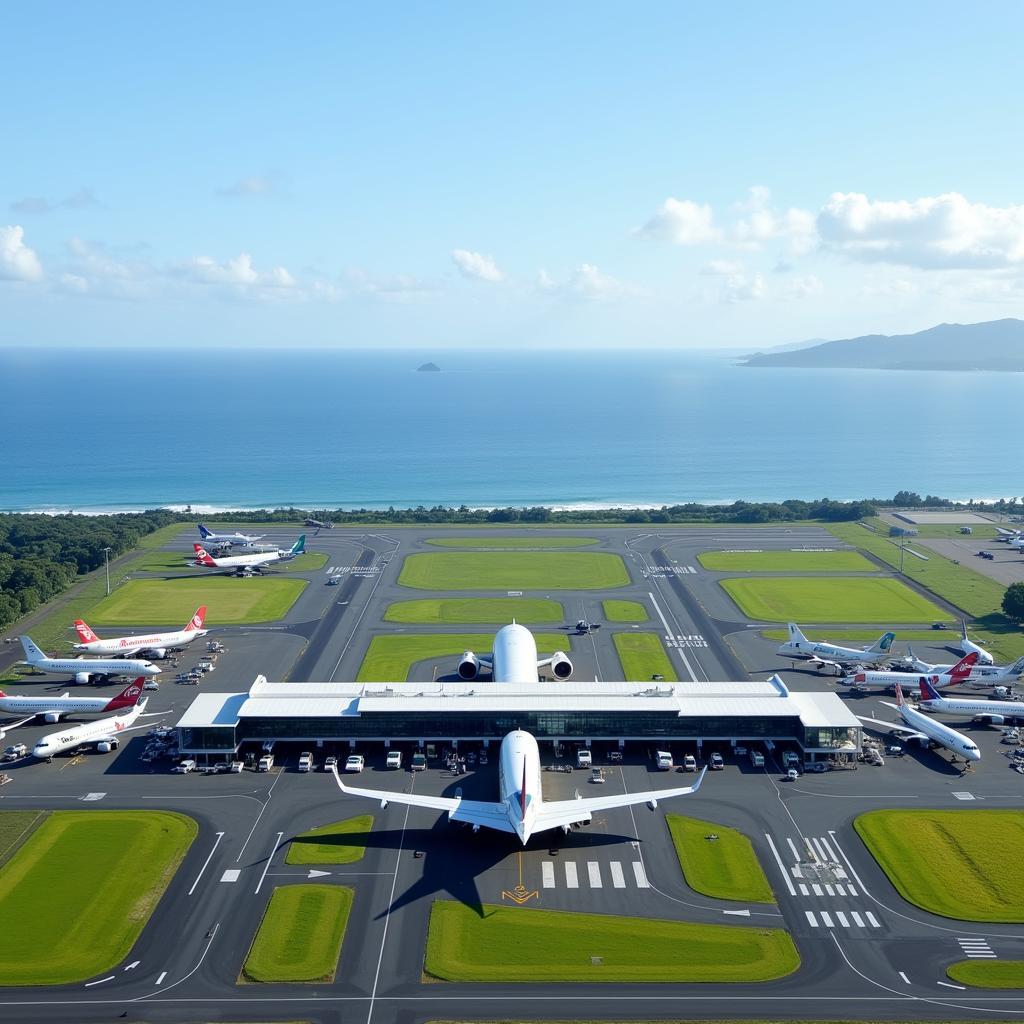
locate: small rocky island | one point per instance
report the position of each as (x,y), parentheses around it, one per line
(429,368)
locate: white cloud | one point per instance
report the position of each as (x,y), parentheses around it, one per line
(760,222)
(238,272)
(744,288)
(476,266)
(256,185)
(74,283)
(946,231)
(587,284)
(17,261)
(388,288)
(803,285)
(683,222)
(720,268)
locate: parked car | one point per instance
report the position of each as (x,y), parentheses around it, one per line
(236,767)
(185,767)
(330,763)
(716,762)
(689,763)
(306,761)
(354,763)
(265,763)
(151,684)
(394,759)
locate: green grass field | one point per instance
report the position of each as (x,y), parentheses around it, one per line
(959,864)
(390,658)
(624,611)
(514,944)
(988,973)
(160,562)
(808,599)
(15,828)
(326,844)
(725,869)
(306,562)
(475,610)
(513,570)
(230,601)
(786,561)
(97,875)
(507,543)
(642,655)
(300,936)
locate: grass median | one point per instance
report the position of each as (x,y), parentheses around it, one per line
(809,599)
(508,543)
(300,936)
(229,601)
(988,973)
(308,561)
(475,610)
(513,570)
(725,868)
(94,877)
(390,658)
(642,656)
(786,561)
(342,842)
(624,611)
(514,944)
(958,864)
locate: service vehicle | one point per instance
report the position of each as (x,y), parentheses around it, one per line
(756,758)
(13,752)
(716,762)
(418,763)
(151,684)
(584,758)
(663,760)
(394,759)
(790,759)
(306,761)
(265,763)
(689,763)
(792,774)
(185,767)
(236,767)
(597,775)
(355,763)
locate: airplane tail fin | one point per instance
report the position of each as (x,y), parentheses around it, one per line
(962,669)
(299,546)
(85,634)
(928,691)
(963,629)
(197,620)
(795,634)
(522,792)
(203,556)
(1016,669)
(882,644)
(128,697)
(203,531)
(32,652)
(899,696)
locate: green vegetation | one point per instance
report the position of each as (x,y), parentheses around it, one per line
(15,828)
(502,543)
(624,611)
(306,562)
(1013,603)
(786,561)
(475,610)
(158,561)
(327,844)
(230,600)
(300,935)
(96,875)
(643,656)
(959,864)
(513,944)
(725,869)
(516,570)
(390,658)
(988,973)
(850,599)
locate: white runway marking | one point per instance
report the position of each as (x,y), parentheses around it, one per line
(963,988)
(904,977)
(618,880)
(872,920)
(89,984)
(817,889)
(640,875)
(220,836)
(160,980)
(811,919)
(231,875)
(841,917)
(857,919)
(547,874)
(93,796)
(796,853)
(782,867)
(571,878)
(850,889)
(976,949)
(266,867)
(827,918)
(594,874)
(804,891)
(964,796)
(668,633)
(830,856)
(830,890)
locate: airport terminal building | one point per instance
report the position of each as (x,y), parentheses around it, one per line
(354,714)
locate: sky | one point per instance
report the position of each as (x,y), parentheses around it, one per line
(428,176)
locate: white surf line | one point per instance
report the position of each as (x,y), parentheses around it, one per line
(270,793)
(669,633)
(206,863)
(782,867)
(266,867)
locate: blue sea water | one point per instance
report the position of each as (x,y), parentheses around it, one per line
(115,430)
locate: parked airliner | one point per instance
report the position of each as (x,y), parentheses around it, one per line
(155,645)
(514,659)
(83,669)
(798,646)
(920,728)
(956,674)
(246,565)
(980,674)
(521,810)
(966,646)
(53,709)
(227,540)
(992,712)
(104,734)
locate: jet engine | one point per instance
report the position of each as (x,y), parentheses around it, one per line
(561,666)
(157,653)
(81,678)
(106,746)
(469,666)
(51,716)
(987,719)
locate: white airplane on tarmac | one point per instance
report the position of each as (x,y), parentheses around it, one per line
(514,659)
(227,540)
(521,810)
(246,565)
(991,712)
(981,675)
(966,646)
(83,669)
(54,708)
(104,734)
(798,646)
(866,679)
(155,645)
(920,728)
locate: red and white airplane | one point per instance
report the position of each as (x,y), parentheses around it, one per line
(103,734)
(955,675)
(54,708)
(154,646)
(246,565)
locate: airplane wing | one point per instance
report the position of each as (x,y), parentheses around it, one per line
(905,730)
(14,725)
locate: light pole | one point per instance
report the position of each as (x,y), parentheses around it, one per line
(903,544)
(106,565)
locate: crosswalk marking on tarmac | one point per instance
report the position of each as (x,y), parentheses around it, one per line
(594,874)
(841,919)
(857,919)
(804,891)
(618,879)
(872,920)
(640,875)
(594,878)
(571,879)
(811,919)
(547,874)
(826,918)
(976,949)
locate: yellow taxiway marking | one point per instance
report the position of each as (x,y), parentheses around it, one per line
(520,894)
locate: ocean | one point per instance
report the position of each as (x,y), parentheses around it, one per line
(109,430)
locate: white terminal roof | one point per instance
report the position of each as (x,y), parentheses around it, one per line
(685,700)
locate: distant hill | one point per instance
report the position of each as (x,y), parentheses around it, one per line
(995,345)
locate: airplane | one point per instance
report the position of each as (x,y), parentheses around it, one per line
(318,525)
(991,712)
(53,708)
(84,668)
(955,675)
(227,540)
(981,675)
(798,646)
(246,565)
(920,728)
(514,659)
(521,810)
(1006,536)
(103,733)
(155,645)
(966,646)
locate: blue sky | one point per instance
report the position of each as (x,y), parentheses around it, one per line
(458,174)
